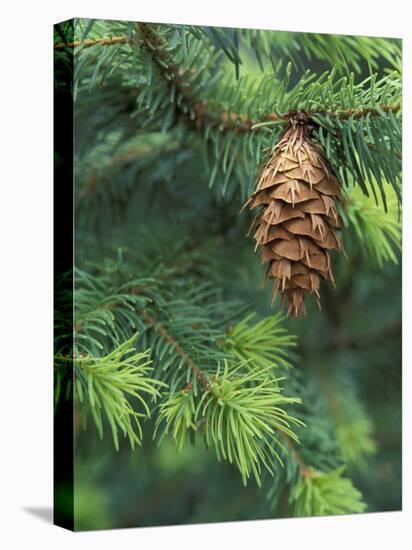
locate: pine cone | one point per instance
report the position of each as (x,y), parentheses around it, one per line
(298,223)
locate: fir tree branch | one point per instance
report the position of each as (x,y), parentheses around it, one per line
(171,72)
(241,414)
(322,494)
(359,113)
(357,124)
(315,492)
(265,343)
(161,330)
(112,386)
(88,43)
(155,45)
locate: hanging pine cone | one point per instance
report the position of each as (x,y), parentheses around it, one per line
(298,222)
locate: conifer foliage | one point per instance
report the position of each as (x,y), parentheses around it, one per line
(196,399)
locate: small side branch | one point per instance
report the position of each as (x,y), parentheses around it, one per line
(171,73)
(304,469)
(96,42)
(162,331)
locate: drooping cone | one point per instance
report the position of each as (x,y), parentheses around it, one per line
(298,223)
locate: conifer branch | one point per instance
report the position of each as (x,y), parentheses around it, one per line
(359,113)
(320,494)
(155,45)
(88,43)
(160,329)
(111,386)
(235,402)
(171,72)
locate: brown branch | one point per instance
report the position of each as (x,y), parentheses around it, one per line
(359,113)
(160,329)
(170,72)
(305,470)
(97,41)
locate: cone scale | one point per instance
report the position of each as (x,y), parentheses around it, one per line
(298,224)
